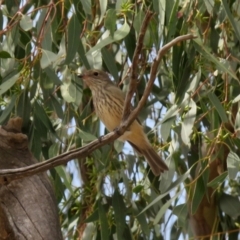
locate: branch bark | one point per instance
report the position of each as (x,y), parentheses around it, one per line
(28,208)
(8,175)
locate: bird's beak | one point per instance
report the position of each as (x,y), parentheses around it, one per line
(81,75)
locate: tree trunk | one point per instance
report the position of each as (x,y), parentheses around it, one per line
(28,209)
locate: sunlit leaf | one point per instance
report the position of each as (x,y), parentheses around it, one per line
(8,83)
(26,23)
(118,35)
(188,122)
(233,165)
(7,111)
(47,58)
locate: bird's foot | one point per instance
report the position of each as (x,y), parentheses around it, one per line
(100,138)
(117,131)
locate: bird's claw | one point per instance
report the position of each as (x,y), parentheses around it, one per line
(100,138)
(117,131)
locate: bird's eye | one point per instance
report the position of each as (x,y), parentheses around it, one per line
(95,74)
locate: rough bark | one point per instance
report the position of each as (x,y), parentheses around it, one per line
(28,209)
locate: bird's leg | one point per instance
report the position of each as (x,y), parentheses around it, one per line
(100,138)
(117,131)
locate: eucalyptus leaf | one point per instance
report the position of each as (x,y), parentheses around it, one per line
(26,23)
(47,58)
(110,21)
(119,213)
(230,205)
(74,30)
(7,111)
(8,83)
(118,35)
(233,164)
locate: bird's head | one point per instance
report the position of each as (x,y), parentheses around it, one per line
(95,78)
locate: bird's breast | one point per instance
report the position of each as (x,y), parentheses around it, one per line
(109,112)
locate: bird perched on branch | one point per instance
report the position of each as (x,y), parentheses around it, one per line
(108,101)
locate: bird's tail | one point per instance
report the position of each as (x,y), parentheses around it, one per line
(155,162)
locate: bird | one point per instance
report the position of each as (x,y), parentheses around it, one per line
(108,101)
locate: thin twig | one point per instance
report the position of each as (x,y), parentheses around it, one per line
(134,69)
(153,74)
(7,175)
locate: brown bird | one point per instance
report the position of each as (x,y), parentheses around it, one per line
(108,101)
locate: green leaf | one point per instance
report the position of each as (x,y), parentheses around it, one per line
(165,207)
(138,189)
(52,75)
(166,127)
(57,107)
(74,31)
(8,109)
(188,122)
(236,99)
(82,55)
(68,89)
(179,181)
(110,21)
(103,8)
(218,180)
(118,35)
(65,177)
(172,112)
(198,194)
(24,108)
(230,205)
(4,54)
(208,55)
(218,106)
(233,163)
(119,213)
(86,137)
(9,81)
(118,145)
(235,24)
(110,62)
(160,8)
(141,219)
(47,58)
(93,217)
(209,5)
(42,116)
(105,233)
(86,6)
(181,211)
(173,21)
(26,23)
(68,92)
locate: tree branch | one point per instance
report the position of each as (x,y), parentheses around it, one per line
(134,69)
(7,175)
(153,73)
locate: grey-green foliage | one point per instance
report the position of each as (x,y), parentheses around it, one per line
(42,47)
